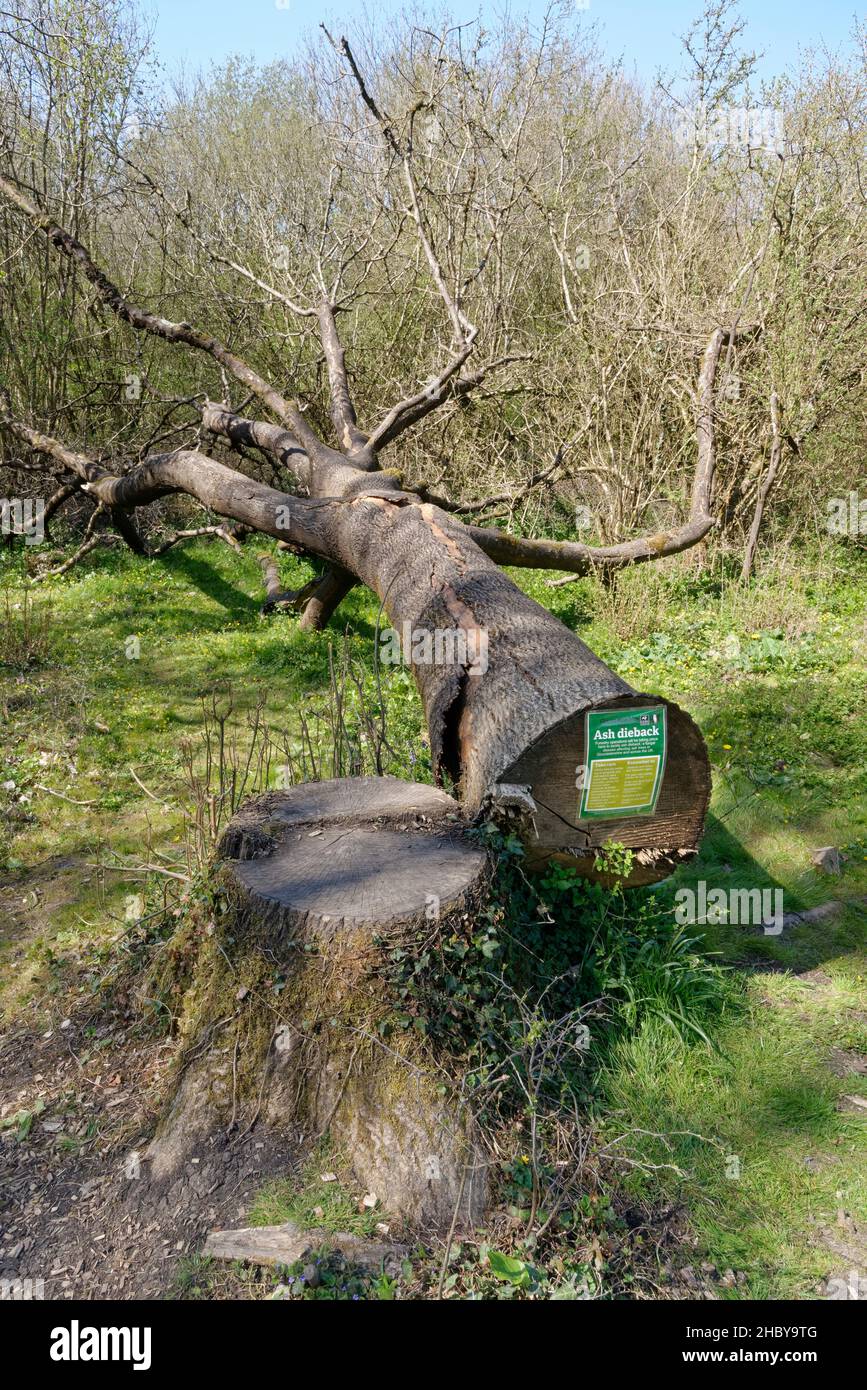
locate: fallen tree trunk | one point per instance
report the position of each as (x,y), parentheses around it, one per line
(506,687)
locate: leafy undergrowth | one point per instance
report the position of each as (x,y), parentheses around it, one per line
(741,1051)
(324,1275)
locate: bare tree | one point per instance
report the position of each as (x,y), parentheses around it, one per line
(508,270)
(507,704)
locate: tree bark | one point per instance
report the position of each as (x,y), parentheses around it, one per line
(323,881)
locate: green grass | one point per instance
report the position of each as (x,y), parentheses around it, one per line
(776,676)
(766,1158)
(315,1198)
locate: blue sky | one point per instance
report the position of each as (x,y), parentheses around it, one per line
(644,33)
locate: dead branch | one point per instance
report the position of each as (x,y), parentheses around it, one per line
(171,332)
(764,488)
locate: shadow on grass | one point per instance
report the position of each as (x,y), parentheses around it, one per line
(208,580)
(724,862)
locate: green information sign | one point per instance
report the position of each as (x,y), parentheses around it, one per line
(625,760)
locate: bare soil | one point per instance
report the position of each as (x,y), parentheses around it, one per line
(77,1207)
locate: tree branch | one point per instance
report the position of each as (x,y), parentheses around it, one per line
(287,411)
(221,533)
(275,595)
(331,590)
(583,559)
(351,438)
(94,543)
(311,523)
(58,499)
(324,473)
(465,332)
(444,387)
(414,408)
(216,256)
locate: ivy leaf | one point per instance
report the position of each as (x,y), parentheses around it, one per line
(506,1267)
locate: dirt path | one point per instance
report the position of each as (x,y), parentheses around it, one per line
(77,1209)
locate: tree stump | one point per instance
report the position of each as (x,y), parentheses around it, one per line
(315,886)
(351,854)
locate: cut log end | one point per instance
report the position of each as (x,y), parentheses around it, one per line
(352,854)
(660,842)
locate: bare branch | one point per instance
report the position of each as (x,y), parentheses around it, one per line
(222,490)
(443,387)
(584,559)
(275,595)
(278,443)
(104,538)
(351,438)
(407,412)
(287,411)
(415,407)
(59,498)
(325,473)
(218,257)
(702,487)
(221,533)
